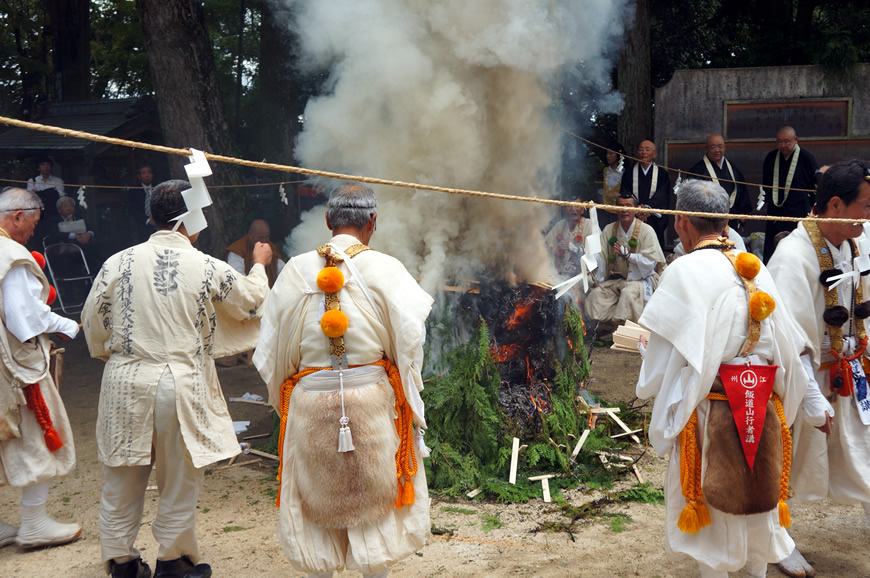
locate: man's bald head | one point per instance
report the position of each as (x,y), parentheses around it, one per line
(258,232)
(646,152)
(715,148)
(786,140)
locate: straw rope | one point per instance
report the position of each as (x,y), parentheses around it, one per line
(407,185)
(133,187)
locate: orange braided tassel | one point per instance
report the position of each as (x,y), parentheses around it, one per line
(695,515)
(36,404)
(784,515)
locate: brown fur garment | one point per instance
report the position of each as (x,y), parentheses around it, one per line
(728,484)
(340,490)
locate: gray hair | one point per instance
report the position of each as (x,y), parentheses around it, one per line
(61,201)
(702,196)
(351,205)
(16,199)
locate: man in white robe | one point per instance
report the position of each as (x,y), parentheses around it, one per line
(831,457)
(565,241)
(158,314)
(628,268)
(26,460)
(342,509)
(699,319)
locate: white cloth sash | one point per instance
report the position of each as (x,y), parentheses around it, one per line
(327,380)
(652,187)
(713,176)
(788,178)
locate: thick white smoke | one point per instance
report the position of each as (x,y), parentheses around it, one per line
(452,93)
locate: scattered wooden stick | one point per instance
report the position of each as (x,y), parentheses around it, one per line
(515,454)
(637,473)
(253,401)
(473,493)
(625,433)
(265,455)
(237,464)
(625,427)
(258,436)
(545,484)
(579,445)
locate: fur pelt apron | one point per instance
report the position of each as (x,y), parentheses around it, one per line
(344,489)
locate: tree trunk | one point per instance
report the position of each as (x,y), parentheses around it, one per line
(191,112)
(633,80)
(281,101)
(71,34)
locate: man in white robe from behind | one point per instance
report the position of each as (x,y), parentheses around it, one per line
(340,505)
(158,314)
(628,268)
(699,319)
(831,453)
(26,461)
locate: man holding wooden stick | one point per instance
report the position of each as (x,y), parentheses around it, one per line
(726,373)
(36,444)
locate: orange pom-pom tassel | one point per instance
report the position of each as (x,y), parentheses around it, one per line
(761,305)
(408,492)
(52,440)
(333,323)
(52,295)
(330,279)
(748,265)
(38,257)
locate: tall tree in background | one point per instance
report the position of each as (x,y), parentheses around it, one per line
(191,111)
(71,33)
(633,80)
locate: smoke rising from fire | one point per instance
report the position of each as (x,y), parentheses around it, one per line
(458,94)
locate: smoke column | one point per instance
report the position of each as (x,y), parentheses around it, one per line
(454,93)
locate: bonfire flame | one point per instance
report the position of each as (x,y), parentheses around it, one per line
(519,315)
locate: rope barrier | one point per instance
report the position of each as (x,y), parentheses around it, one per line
(673,170)
(403,184)
(135,187)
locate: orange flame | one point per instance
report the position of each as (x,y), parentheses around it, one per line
(507,352)
(519,315)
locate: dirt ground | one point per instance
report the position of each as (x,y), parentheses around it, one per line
(237,516)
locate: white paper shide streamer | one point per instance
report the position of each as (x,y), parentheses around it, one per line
(588,262)
(196,198)
(81,197)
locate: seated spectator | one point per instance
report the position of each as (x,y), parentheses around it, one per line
(49,188)
(565,241)
(628,269)
(240,254)
(69,227)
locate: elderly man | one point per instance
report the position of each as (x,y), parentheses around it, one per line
(240,253)
(651,186)
(787,168)
(343,333)
(711,363)
(830,459)
(628,269)
(36,444)
(565,240)
(158,314)
(715,166)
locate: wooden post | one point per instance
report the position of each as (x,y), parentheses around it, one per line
(515,454)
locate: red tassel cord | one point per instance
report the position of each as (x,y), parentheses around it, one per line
(36,404)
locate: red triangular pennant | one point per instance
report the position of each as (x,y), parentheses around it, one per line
(748,388)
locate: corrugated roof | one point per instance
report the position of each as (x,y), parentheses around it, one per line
(99,117)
